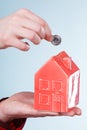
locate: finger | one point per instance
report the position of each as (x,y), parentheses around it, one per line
(77,111)
(30,15)
(34,27)
(19,44)
(31,112)
(71,112)
(28,34)
(45,113)
(36,113)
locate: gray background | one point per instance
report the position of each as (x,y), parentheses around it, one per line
(66,18)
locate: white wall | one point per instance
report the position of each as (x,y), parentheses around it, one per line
(66,18)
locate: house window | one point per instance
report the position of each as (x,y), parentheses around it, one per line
(44,99)
(57,86)
(43,84)
(73,88)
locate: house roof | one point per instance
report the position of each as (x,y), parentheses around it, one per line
(66,63)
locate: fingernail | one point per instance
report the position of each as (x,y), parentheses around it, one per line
(27,47)
(27,43)
(78,112)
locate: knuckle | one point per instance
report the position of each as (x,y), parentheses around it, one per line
(14,20)
(34,38)
(38,29)
(23,48)
(23,10)
(32,35)
(6,39)
(43,23)
(37,41)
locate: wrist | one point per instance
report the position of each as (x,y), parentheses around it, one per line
(2,115)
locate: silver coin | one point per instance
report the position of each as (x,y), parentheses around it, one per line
(56,40)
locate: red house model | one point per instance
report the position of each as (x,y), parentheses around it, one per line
(57,84)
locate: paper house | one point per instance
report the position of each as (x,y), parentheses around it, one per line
(57,84)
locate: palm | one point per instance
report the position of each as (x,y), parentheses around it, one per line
(20,105)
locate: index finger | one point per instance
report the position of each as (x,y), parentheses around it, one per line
(30,15)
